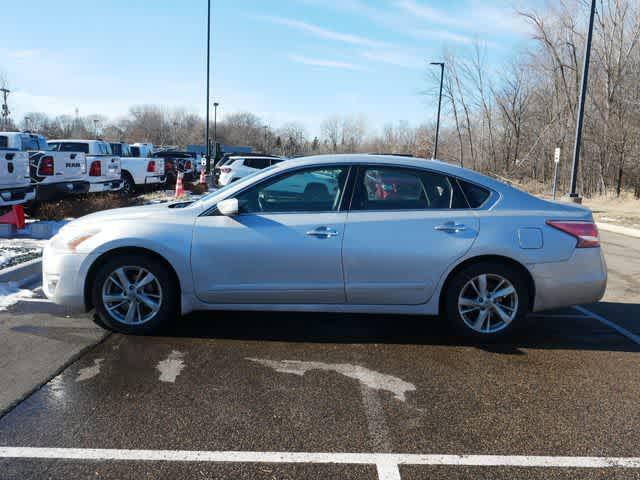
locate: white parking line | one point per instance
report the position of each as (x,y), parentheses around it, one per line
(386,463)
(621,330)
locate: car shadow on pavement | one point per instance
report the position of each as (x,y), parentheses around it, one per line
(565,329)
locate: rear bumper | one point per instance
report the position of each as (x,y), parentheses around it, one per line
(16,195)
(108,186)
(581,279)
(155,179)
(52,191)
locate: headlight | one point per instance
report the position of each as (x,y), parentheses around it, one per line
(69,241)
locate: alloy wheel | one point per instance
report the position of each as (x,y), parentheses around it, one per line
(488,303)
(132,295)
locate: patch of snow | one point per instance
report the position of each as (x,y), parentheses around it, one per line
(17,250)
(10,294)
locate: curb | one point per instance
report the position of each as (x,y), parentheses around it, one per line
(24,273)
(609,227)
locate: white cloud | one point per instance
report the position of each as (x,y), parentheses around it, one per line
(325,33)
(476,17)
(323,63)
(399,59)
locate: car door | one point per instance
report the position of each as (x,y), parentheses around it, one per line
(284,246)
(404,228)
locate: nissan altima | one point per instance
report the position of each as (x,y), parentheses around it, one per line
(334,233)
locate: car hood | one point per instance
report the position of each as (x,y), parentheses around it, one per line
(125,214)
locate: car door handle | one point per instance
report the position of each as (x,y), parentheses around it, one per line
(323,232)
(451,227)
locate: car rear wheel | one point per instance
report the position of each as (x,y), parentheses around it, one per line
(134,294)
(487,300)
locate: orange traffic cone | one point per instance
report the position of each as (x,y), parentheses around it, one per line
(203,179)
(179,185)
(14,217)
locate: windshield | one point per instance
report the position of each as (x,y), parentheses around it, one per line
(221,191)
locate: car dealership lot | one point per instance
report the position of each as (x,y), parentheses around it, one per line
(330,390)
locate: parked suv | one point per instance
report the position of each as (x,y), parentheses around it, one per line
(236,167)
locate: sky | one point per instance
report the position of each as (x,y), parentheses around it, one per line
(284,60)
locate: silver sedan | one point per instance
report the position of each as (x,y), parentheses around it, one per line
(336,233)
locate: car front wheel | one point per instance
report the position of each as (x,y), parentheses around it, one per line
(487,300)
(134,294)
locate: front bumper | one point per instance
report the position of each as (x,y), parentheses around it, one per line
(16,195)
(581,279)
(63,278)
(108,186)
(53,191)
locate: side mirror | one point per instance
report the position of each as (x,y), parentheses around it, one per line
(229,207)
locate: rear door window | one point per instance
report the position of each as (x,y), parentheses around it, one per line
(29,143)
(70,147)
(258,163)
(390,188)
(475,195)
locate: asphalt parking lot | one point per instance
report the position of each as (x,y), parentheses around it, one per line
(283,396)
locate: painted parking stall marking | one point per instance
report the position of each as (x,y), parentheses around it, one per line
(387,464)
(621,330)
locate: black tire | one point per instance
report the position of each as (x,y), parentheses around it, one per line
(128,185)
(167,311)
(493,270)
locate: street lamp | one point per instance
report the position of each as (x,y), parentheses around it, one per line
(215,128)
(266,147)
(206,127)
(95,126)
(26,122)
(573,194)
(435,147)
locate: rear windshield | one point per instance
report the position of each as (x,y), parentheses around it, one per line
(476,195)
(69,147)
(4,142)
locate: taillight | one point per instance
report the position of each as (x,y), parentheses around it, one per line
(187,165)
(225,169)
(96,169)
(151,166)
(585,232)
(46,166)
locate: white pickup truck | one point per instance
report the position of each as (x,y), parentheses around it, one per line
(102,167)
(15,183)
(54,174)
(138,170)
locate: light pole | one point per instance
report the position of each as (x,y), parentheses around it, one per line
(175,133)
(266,147)
(26,122)
(435,147)
(215,128)
(95,126)
(573,194)
(5,107)
(206,127)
